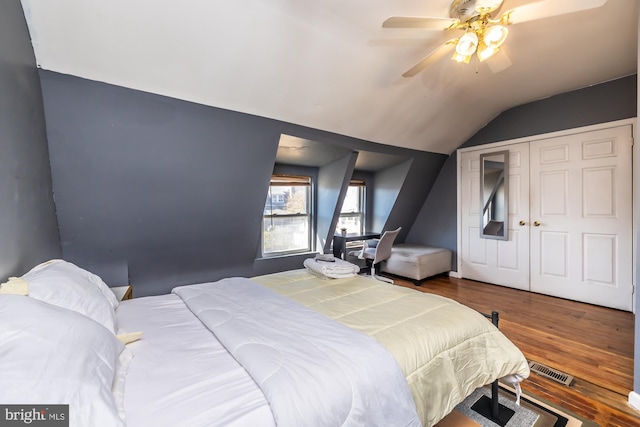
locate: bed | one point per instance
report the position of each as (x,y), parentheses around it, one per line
(283,349)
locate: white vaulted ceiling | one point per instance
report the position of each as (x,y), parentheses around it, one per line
(329,64)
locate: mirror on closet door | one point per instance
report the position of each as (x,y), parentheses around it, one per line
(494,195)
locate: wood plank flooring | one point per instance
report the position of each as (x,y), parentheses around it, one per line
(593,344)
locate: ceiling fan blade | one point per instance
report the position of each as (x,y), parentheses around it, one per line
(418,22)
(512,4)
(549,8)
(434,56)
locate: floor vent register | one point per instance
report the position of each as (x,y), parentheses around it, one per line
(550,373)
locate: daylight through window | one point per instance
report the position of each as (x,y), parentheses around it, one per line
(352,212)
(287,219)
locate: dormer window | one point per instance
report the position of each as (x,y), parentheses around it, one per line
(286,220)
(352,211)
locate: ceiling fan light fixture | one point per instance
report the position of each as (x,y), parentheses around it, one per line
(495,35)
(467,44)
(464,59)
(485,52)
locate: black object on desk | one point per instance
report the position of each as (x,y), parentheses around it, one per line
(340,241)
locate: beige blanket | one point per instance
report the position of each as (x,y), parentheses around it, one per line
(446,350)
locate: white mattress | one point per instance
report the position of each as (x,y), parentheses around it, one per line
(180,369)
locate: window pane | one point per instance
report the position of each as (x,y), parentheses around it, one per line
(352,200)
(285,234)
(353,223)
(352,211)
(287,199)
(286,222)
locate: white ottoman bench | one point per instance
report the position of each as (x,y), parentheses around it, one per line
(417,262)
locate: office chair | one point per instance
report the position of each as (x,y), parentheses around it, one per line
(376,251)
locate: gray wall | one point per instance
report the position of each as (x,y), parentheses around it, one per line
(171,192)
(333,180)
(28,226)
(606,102)
(436,222)
(385,194)
(615,100)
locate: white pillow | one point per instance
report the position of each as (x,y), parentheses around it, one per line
(66,285)
(53,355)
(80,275)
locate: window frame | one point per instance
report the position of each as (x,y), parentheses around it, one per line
(286,180)
(361,214)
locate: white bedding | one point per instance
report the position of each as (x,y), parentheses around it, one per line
(445,349)
(183,375)
(313,370)
(180,375)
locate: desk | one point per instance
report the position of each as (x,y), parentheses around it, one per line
(340,241)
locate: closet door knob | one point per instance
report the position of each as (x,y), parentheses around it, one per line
(522,223)
(536,223)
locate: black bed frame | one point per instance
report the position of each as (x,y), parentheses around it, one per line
(490,408)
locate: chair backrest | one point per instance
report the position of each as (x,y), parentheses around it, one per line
(383,250)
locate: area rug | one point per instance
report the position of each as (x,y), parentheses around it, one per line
(532,412)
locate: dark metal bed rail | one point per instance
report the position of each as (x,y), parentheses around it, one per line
(495,407)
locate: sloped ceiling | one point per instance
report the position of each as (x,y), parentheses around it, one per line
(329,64)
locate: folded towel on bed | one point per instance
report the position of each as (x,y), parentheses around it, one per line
(325,257)
(338,269)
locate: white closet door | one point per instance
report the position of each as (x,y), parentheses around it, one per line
(581,199)
(502,262)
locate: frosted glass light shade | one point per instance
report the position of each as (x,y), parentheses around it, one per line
(495,35)
(486,52)
(461,58)
(467,44)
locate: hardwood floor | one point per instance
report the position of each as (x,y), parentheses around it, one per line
(593,344)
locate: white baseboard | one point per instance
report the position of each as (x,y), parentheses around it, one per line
(634,400)
(454,274)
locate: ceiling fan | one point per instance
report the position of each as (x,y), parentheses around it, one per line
(483,25)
